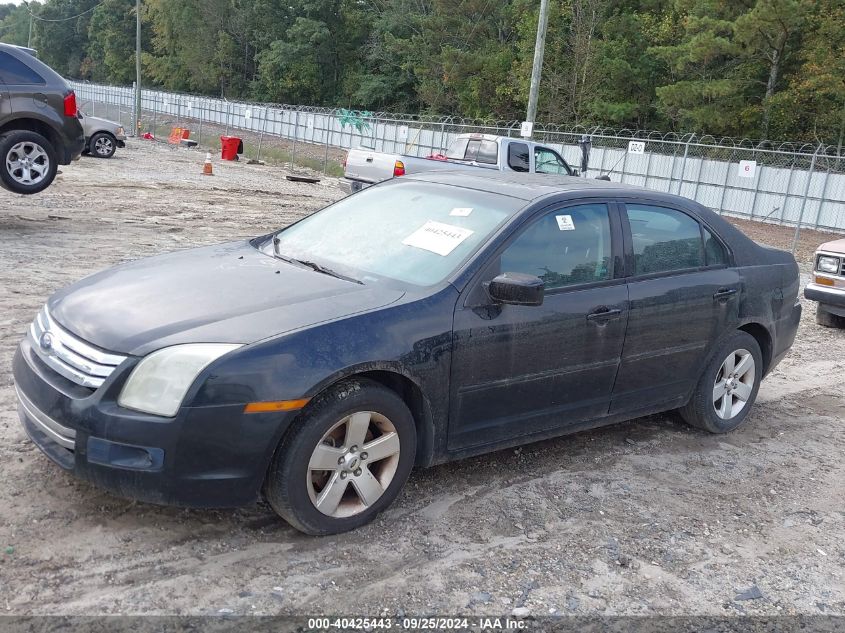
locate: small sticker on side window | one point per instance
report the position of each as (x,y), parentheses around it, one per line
(565,223)
(461,212)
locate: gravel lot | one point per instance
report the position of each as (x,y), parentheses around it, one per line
(650,517)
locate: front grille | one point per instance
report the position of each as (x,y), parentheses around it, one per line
(70,356)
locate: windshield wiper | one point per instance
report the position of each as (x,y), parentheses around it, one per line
(328,271)
(313,265)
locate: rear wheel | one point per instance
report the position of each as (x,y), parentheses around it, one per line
(102,145)
(28,162)
(346,460)
(826,319)
(728,386)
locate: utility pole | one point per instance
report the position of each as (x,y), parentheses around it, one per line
(137,125)
(537,69)
(29,39)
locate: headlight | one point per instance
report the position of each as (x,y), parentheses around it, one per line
(158,383)
(827,264)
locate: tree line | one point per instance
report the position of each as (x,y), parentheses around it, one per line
(745,68)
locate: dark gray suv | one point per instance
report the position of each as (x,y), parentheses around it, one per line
(39,127)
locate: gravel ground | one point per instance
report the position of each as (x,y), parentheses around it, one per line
(649,517)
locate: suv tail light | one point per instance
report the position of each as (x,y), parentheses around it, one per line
(398,168)
(70,104)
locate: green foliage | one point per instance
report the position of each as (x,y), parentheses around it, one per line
(753,68)
(14,23)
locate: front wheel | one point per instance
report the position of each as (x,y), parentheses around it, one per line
(102,145)
(728,386)
(345,461)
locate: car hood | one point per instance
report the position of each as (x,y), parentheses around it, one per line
(94,122)
(836,246)
(230,293)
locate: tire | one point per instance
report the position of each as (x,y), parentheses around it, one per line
(826,319)
(42,162)
(294,488)
(705,409)
(102,145)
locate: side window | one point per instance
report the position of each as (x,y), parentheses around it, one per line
(547,162)
(565,247)
(714,252)
(664,239)
(15,72)
(518,157)
(488,152)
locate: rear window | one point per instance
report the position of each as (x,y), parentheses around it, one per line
(458,149)
(14,72)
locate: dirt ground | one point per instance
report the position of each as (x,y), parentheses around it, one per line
(649,517)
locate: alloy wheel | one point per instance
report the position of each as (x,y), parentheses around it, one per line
(353,464)
(104,146)
(734,384)
(27,163)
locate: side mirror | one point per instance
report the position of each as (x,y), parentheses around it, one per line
(517,289)
(603,177)
(576,173)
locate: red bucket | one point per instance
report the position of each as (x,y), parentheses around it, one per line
(231,147)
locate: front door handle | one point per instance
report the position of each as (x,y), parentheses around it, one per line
(723,294)
(603,313)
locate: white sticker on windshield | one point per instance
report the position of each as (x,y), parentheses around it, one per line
(437,237)
(565,223)
(461,212)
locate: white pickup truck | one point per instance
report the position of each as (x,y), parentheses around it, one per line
(364,167)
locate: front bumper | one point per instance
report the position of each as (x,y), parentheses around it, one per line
(831,298)
(212,456)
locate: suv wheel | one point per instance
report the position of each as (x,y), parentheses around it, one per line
(345,461)
(102,145)
(28,162)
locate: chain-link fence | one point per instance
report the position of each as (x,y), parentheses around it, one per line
(785,183)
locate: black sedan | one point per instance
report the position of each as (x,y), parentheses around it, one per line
(421,320)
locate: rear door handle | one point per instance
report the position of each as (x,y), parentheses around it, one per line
(603,313)
(369,159)
(724,293)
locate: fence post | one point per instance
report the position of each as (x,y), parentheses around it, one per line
(295,134)
(788,187)
(647,169)
(261,136)
(201,109)
(725,184)
(756,190)
(684,164)
(804,200)
(822,199)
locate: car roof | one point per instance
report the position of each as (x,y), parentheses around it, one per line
(23,49)
(532,187)
(525,186)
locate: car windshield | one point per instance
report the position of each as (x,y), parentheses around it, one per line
(414,232)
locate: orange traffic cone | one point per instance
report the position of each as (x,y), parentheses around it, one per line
(207,169)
